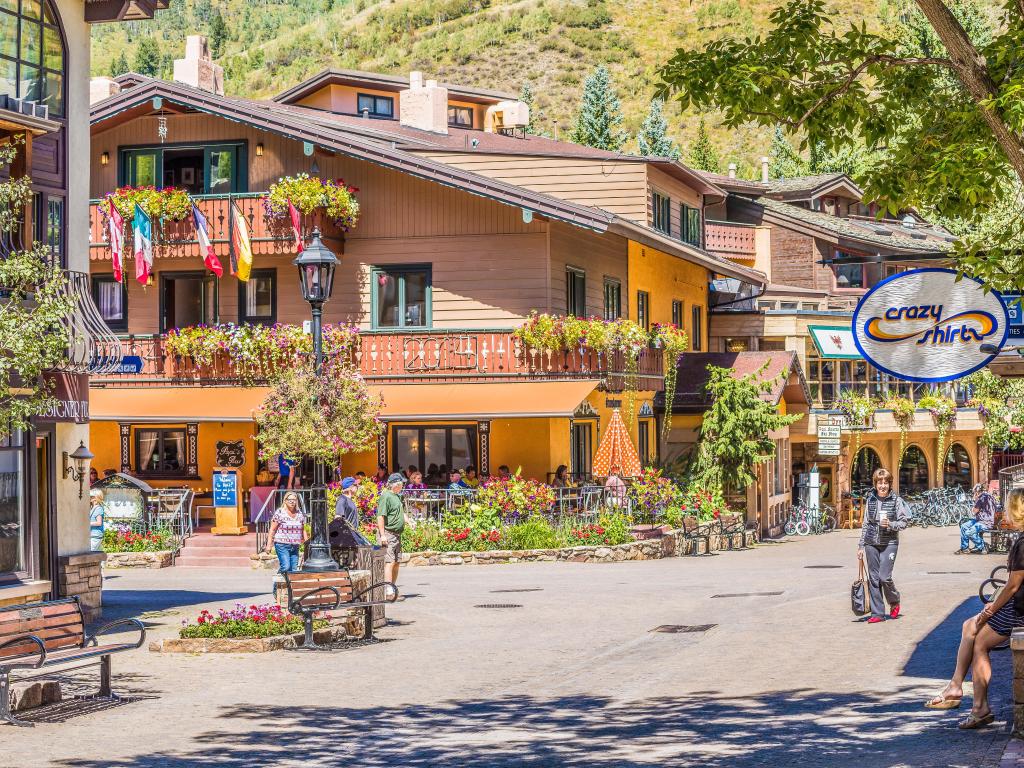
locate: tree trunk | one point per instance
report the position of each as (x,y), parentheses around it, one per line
(972,70)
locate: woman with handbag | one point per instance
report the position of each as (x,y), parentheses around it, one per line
(885,515)
(987,630)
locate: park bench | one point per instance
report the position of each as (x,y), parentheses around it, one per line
(45,634)
(728,527)
(1000,537)
(330,595)
(693,531)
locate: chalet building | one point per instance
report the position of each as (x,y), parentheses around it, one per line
(467,225)
(821,248)
(44,107)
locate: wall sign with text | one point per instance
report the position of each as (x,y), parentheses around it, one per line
(925,325)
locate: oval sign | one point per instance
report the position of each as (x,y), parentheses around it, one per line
(924,325)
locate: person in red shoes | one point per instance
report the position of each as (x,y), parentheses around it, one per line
(885,515)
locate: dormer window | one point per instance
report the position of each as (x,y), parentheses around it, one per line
(461,117)
(375,106)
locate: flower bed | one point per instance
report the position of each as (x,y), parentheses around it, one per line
(123,539)
(246,621)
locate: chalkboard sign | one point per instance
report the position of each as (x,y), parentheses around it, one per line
(225,489)
(230,454)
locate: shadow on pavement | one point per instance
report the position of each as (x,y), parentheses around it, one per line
(131,603)
(935,655)
(707,729)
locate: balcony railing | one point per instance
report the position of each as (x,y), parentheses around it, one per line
(435,356)
(731,239)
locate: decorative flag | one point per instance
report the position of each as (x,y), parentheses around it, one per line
(115,229)
(143,227)
(241,246)
(296,227)
(203,233)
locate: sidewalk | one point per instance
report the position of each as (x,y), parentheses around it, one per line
(1013,757)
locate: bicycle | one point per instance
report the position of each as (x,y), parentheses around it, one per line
(804,520)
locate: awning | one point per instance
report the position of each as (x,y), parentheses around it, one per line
(834,341)
(425,402)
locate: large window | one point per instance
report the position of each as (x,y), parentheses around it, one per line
(857,276)
(257,297)
(461,117)
(401,297)
(427,447)
(864,467)
(581,449)
(612,299)
(661,212)
(828,377)
(957,470)
(187,298)
(375,106)
(112,299)
(643,309)
(13,525)
(31,53)
(913,471)
(689,225)
(160,451)
(214,169)
(575,292)
(697,328)
(677,313)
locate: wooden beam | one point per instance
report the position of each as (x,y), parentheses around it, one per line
(98,11)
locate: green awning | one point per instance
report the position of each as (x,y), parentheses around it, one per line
(834,341)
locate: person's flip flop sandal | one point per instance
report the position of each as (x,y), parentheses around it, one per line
(943,704)
(973,722)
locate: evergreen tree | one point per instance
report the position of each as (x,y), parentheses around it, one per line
(703,155)
(653,139)
(784,162)
(600,116)
(218,34)
(527,97)
(147,57)
(119,65)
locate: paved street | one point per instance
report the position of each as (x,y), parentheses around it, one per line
(571,676)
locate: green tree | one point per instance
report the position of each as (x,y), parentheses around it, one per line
(784,162)
(218,34)
(147,57)
(119,65)
(599,120)
(703,154)
(938,92)
(653,139)
(527,96)
(734,434)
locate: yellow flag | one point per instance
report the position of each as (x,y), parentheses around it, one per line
(241,252)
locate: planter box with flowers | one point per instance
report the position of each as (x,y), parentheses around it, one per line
(127,549)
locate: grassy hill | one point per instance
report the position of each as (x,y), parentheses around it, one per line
(266,46)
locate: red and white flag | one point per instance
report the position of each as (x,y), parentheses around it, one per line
(296,227)
(203,234)
(115,231)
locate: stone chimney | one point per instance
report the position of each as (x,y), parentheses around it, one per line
(732,170)
(101,88)
(197,68)
(424,106)
(765,176)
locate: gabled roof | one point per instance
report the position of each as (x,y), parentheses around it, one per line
(808,187)
(781,368)
(382,82)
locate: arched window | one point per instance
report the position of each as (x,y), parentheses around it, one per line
(913,471)
(865,465)
(958,467)
(32,53)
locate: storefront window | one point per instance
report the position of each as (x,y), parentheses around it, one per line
(958,467)
(12,505)
(160,451)
(913,471)
(863,468)
(434,446)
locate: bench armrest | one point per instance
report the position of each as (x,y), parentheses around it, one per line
(296,604)
(394,591)
(22,665)
(93,639)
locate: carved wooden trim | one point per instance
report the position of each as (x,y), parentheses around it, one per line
(126,447)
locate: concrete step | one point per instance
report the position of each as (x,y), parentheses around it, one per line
(218,542)
(186,560)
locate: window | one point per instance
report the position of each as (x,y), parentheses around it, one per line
(789,305)
(771,345)
(697,328)
(215,169)
(375,106)
(460,116)
(455,447)
(581,450)
(257,297)
(643,309)
(857,276)
(575,292)
(31,54)
(808,307)
(13,510)
(612,299)
(401,297)
(187,298)
(661,212)
(677,314)
(737,345)
(160,451)
(765,305)
(689,225)
(644,443)
(112,299)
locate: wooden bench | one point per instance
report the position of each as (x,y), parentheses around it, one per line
(45,634)
(329,594)
(728,527)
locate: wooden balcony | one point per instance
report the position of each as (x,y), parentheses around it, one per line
(436,357)
(730,239)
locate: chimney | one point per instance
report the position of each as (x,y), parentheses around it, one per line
(732,170)
(423,106)
(197,68)
(765,176)
(101,88)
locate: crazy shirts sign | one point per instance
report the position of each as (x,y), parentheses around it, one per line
(924,325)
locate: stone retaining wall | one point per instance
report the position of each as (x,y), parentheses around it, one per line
(162,559)
(1017,648)
(81,576)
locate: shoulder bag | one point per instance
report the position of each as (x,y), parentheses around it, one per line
(860,600)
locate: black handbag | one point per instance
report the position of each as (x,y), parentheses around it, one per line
(860,600)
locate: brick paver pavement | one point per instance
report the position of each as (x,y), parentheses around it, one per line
(572,676)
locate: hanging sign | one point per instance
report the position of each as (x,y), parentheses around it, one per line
(1016,314)
(925,325)
(829,437)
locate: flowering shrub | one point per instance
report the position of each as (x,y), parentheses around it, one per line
(587,535)
(673,342)
(515,498)
(167,203)
(903,414)
(651,491)
(366,495)
(124,539)
(242,621)
(611,528)
(705,503)
(311,193)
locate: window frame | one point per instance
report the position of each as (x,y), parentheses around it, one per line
(187,459)
(95,280)
(612,298)
(691,228)
(53,26)
(471,429)
(575,291)
(16,443)
(374,112)
(643,309)
(458,109)
(661,209)
(243,288)
(399,271)
(189,274)
(240,182)
(697,328)
(678,307)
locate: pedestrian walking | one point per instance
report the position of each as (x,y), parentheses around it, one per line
(287,533)
(390,524)
(97,516)
(885,515)
(983,520)
(990,628)
(346,508)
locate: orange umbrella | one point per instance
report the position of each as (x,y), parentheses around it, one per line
(616,450)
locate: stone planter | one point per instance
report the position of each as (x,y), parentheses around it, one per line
(161,559)
(261,561)
(326,635)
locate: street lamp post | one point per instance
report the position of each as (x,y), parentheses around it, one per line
(316,278)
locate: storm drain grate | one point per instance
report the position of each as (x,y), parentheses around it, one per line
(948,573)
(823,566)
(498,605)
(748,594)
(680,629)
(532,589)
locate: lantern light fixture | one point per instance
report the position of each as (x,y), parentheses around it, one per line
(74,465)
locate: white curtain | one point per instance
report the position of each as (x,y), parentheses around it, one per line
(111,301)
(148,462)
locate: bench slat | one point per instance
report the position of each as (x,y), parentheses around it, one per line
(12,613)
(25,627)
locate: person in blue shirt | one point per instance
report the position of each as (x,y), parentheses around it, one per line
(457,483)
(97,513)
(285,472)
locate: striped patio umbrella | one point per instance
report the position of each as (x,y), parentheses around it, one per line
(616,450)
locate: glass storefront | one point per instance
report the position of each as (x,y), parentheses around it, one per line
(13,525)
(913,471)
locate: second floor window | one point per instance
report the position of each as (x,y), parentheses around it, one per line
(661,213)
(689,225)
(111,297)
(677,314)
(643,309)
(401,297)
(32,54)
(216,169)
(612,299)
(697,329)
(375,106)
(460,116)
(575,292)
(257,298)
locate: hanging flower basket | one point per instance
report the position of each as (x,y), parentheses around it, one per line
(169,203)
(312,196)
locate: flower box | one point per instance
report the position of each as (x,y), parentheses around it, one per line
(324,636)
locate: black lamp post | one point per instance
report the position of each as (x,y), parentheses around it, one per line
(316,278)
